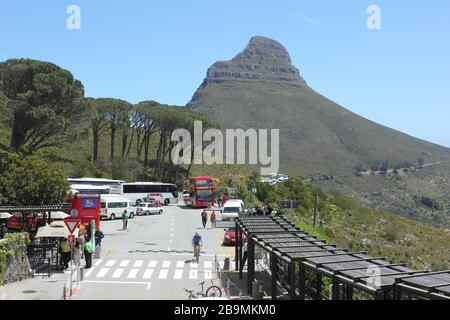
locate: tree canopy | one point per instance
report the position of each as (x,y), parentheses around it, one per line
(29,180)
(44,100)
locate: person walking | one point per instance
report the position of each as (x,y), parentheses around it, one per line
(88,249)
(81,240)
(212,218)
(204,218)
(77,254)
(98,237)
(125,220)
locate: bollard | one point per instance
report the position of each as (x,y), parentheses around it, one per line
(226,264)
(228,288)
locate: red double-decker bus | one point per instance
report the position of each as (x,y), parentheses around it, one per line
(201,192)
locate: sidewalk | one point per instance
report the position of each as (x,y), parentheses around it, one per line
(37,288)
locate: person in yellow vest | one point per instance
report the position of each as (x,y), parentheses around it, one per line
(64,249)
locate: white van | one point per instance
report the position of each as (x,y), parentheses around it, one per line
(232,208)
(113,206)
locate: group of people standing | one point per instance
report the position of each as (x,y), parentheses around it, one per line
(83,248)
(261,210)
(212,219)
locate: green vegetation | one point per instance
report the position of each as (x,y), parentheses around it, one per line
(30,180)
(352,225)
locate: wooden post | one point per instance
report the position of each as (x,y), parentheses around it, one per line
(315,210)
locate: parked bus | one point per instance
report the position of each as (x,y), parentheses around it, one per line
(166,193)
(85,207)
(201,192)
(113,185)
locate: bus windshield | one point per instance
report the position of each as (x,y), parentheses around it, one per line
(204,195)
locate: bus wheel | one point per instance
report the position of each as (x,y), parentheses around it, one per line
(166,202)
(112,216)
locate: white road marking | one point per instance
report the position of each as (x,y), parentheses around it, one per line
(102,273)
(178,274)
(166,264)
(152,263)
(208,264)
(193,274)
(133,273)
(97,263)
(208,274)
(163,274)
(147,273)
(110,263)
(148,284)
(124,263)
(194,265)
(117,273)
(89,272)
(138,263)
(180,264)
(168,248)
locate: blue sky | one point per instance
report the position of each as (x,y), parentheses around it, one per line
(398,76)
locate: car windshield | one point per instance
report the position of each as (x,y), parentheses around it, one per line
(231,230)
(231,209)
(141,205)
(204,195)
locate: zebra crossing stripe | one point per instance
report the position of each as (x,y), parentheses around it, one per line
(133,273)
(124,263)
(166,264)
(138,263)
(97,263)
(178,274)
(147,273)
(110,263)
(194,265)
(208,264)
(208,274)
(89,272)
(180,264)
(117,273)
(193,274)
(152,263)
(102,273)
(163,274)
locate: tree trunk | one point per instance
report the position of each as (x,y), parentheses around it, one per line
(124,142)
(17,134)
(95,146)
(113,140)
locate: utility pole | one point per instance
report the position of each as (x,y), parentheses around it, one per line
(315,210)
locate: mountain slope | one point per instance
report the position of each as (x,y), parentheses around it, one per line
(260,88)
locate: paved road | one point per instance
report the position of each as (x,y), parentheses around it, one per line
(152,260)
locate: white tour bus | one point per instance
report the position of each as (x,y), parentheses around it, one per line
(113,206)
(166,193)
(87,188)
(114,185)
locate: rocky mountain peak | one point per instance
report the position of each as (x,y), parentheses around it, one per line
(262,59)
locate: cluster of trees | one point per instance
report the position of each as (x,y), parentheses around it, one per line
(29,180)
(384,166)
(46,108)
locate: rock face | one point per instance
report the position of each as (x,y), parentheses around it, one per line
(262,59)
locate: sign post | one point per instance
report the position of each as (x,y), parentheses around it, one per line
(72,225)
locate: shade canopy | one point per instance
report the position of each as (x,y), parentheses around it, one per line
(55,230)
(5,215)
(59,215)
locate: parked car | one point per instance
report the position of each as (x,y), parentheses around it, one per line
(232,208)
(230,237)
(153,200)
(148,208)
(113,206)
